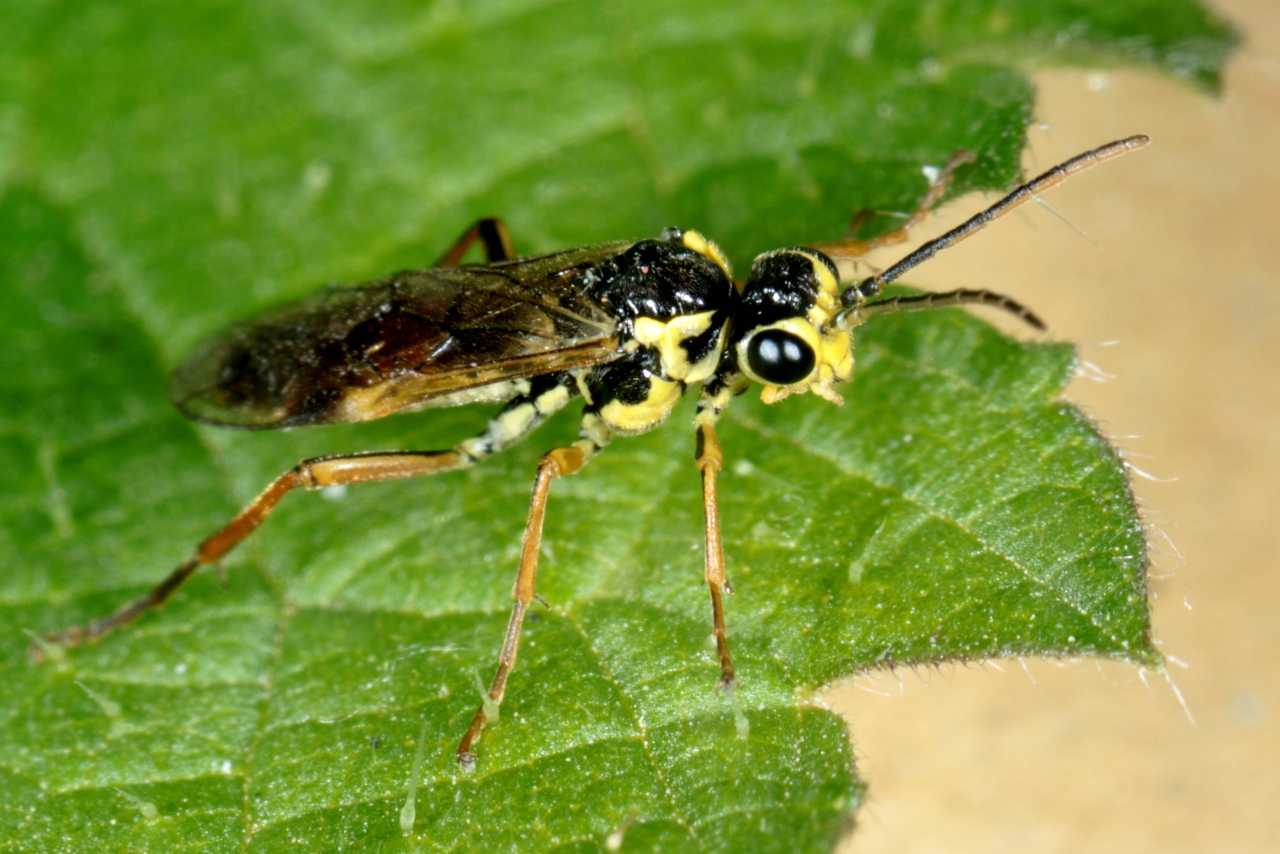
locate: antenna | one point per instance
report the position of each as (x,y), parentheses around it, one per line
(921,302)
(871,286)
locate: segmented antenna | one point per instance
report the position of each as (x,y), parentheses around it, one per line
(922,302)
(869,287)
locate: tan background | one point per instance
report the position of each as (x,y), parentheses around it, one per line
(1083,757)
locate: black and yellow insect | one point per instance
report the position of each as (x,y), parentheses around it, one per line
(629,327)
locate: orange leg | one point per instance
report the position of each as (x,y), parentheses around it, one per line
(492,233)
(311,474)
(338,470)
(710,460)
(554,464)
(851,249)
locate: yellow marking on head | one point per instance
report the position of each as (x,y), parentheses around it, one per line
(799,327)
(832,347)
(631,418)
(833,361)
(828,284)
(668,339)
(827,303)
(695,241)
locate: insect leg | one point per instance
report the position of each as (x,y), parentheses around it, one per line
(312,474)
(937,189)
(555,463)
(517,419)
(492,233)
(1020,195)
(710,460)
(852,249)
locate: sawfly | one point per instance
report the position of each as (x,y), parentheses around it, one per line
(628,327)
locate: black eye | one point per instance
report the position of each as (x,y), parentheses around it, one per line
(779,357)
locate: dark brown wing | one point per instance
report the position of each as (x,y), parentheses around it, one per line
(362,352)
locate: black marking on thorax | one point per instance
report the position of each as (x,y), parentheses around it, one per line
(661,280)
(627,380)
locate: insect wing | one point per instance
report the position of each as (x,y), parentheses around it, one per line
(407,341)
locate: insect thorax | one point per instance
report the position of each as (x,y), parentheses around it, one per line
(673,298)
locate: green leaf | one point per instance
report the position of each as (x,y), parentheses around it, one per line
(168,167)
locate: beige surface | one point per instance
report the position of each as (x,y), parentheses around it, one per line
(1086,757)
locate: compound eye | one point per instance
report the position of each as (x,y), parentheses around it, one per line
(779,357)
